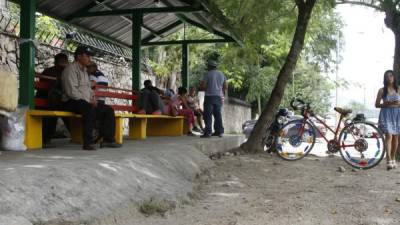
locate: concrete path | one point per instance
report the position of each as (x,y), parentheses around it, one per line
(66,185)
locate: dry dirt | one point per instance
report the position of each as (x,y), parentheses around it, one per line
(263,189)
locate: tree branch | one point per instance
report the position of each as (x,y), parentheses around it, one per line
(362,3)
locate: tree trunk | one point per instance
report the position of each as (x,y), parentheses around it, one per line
(396,60)
(254,144)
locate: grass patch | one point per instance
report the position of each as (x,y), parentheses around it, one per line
(153,206)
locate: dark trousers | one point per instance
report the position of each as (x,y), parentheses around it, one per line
(50,123)
(105,118)
(87,111)
(150,101)
(212,107)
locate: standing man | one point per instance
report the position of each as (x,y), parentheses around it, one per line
(78,96)
(213,83)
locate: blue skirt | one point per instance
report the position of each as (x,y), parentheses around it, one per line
(389,120)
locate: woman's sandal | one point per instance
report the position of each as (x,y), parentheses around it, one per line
(390,165)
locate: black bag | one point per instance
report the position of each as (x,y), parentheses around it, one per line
(359,118)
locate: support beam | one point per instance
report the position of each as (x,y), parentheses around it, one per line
(120,12)
(27,53)
(165,29)
(179,42)
(84,9)
(185,66)
(137,22)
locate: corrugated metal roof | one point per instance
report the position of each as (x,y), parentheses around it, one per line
(118,28)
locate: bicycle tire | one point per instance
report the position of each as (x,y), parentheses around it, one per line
(282,148)
(378,154)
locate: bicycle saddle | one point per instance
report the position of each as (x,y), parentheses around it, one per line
(344,112)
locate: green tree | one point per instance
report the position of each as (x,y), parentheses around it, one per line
(305,9)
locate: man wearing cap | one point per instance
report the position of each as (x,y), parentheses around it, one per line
(214,84)
(78,96)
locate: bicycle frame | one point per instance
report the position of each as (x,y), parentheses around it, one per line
(306,117)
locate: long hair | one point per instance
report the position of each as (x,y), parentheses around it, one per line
(386,82)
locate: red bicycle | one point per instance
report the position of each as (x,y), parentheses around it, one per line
(360,143)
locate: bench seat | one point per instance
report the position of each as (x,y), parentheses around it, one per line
(34,126)
(140,126)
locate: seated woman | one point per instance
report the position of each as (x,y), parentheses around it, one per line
(179,106)
(194,104)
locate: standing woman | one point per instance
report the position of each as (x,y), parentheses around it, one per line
(389,116)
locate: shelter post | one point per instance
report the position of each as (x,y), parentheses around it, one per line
(137,22)
(185,65)
(27,53)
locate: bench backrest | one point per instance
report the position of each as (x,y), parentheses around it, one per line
(117,93)
(45,83)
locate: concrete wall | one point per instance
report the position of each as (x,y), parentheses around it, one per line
(235,113)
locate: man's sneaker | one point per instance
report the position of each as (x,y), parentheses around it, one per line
(196,129)
(89,148)
(217,135)
(205,136)
(110,145)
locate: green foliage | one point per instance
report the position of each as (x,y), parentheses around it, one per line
(356,107)
(312,86)
(165,59)
(50,26)
(266,28)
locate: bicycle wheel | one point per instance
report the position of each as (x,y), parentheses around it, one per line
(295,140)
(362,145)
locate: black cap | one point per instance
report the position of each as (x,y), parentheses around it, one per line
(83,50)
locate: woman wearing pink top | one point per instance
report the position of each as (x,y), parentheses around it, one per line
(179,106)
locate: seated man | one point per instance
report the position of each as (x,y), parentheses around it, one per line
(150,101)
(54,95)
(106,126)
(78,97)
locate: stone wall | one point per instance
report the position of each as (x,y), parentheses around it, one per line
(116,69)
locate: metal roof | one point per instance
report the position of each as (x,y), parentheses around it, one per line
(117,28)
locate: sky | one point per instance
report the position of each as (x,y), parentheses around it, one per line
(367,54)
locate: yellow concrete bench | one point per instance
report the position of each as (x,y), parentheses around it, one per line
(140,126)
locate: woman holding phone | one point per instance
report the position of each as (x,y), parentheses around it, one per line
(388,100)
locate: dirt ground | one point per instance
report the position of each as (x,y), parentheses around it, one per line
(263,189)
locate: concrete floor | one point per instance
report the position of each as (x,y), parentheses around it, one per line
(66,185)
